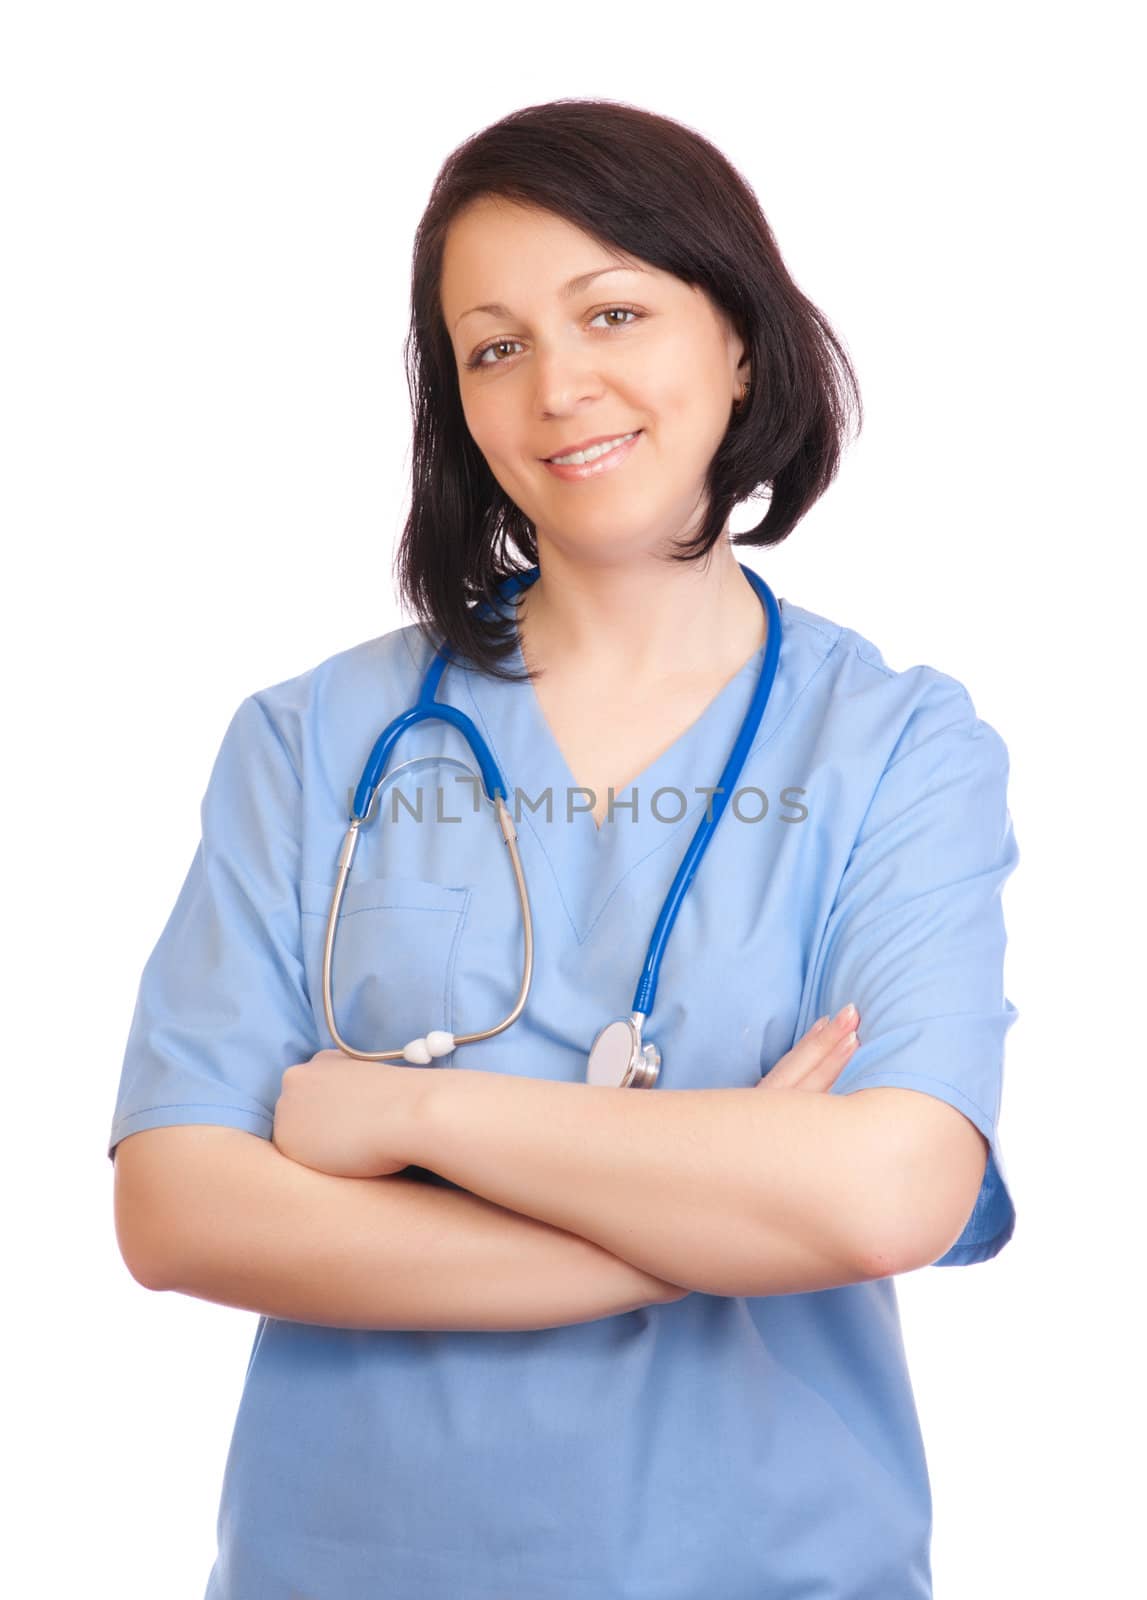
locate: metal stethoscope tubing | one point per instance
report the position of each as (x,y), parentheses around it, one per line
(437,1042)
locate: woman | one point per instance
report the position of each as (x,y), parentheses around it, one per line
(582,1340)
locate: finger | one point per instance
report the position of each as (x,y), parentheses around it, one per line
(823,1037)
(813,1050)
(826,1071)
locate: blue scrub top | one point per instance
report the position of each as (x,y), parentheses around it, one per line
(734,1447)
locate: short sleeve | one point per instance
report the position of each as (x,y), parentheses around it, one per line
(223,1008)
(916,936)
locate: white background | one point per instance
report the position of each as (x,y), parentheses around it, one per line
(208,214)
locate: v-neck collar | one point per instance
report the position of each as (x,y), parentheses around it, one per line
(590,864)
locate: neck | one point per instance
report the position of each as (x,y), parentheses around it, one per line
(640,620)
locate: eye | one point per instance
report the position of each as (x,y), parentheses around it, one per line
(477,359)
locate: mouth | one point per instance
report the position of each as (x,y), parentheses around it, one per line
(609,461)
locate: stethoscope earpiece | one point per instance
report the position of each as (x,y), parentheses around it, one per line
(420,1052)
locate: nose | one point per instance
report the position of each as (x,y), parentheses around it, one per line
(564,380)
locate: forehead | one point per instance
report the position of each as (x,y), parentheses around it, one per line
(493,222)
(497,248)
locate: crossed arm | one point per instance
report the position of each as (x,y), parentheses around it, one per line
(776,1189)
(726,1191)
(574,1203)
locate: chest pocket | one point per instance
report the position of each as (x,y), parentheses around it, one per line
(392,971)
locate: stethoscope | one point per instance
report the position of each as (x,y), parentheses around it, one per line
(618,1057)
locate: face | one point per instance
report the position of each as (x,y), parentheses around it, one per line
(635,349)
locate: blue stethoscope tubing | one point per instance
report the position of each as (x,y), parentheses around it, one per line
(622,1059)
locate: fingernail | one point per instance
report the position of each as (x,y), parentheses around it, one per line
(846,1013)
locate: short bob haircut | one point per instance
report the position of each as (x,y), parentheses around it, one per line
(657,190)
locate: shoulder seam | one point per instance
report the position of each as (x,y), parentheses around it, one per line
(890,672)
(867,661)
(806,621)
(282,743)
(966,723)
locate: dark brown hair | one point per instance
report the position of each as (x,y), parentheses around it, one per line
(660,191)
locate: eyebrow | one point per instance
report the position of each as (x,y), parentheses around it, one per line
(574,286)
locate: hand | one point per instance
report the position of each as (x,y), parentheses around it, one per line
(351,1118)
(817,1060)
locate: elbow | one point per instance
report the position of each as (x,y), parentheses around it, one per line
(145,1279)
(139,1263)
(888,1262)
(880,1260)
(144,1243)
(925,1164)
(924,1230)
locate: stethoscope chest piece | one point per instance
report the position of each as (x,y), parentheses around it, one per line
(619,1060)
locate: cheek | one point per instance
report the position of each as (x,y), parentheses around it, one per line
(502,446)
(490,428)
(690,427)
(685,385)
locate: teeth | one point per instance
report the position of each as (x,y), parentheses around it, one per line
(579,457)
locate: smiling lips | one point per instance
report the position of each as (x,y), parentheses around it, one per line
(597,465)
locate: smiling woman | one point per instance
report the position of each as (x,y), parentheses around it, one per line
(642,1342)
(627,403)
(584,271)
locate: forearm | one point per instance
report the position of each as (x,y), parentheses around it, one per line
(284,1240)
(724,1191)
